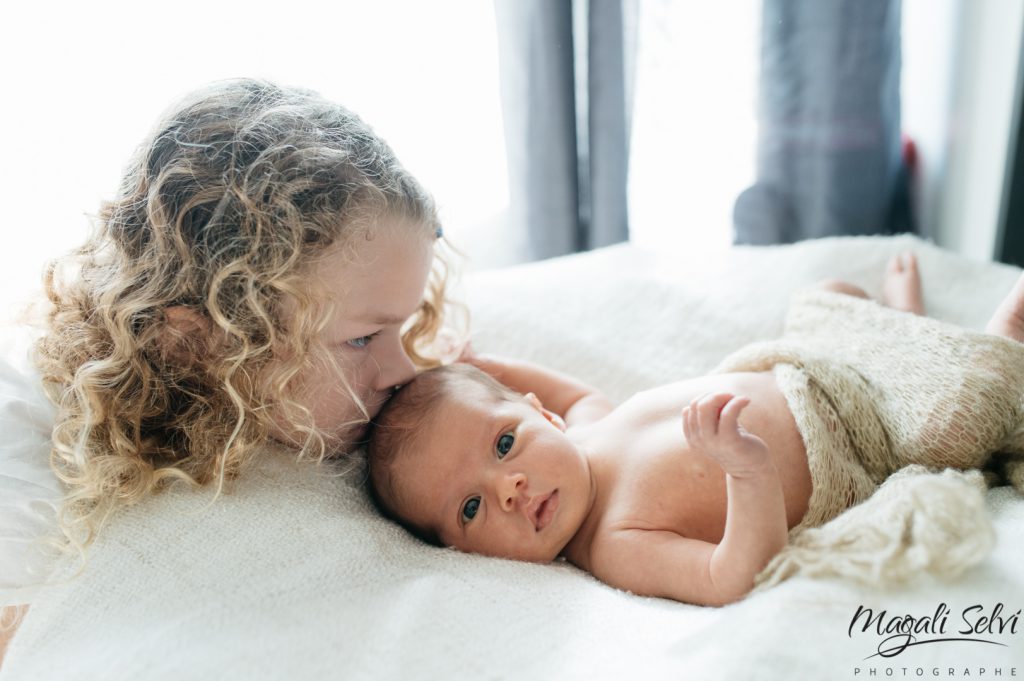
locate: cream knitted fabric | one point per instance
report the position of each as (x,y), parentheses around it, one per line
(873,390)
(918,521)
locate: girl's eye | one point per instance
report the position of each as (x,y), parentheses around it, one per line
(504,445)
(360,342)
(470,508)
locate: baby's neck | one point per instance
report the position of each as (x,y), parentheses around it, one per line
(577,551)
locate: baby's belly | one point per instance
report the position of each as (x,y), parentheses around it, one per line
(677,488)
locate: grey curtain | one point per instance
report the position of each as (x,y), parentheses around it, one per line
(829,158)
(565,100)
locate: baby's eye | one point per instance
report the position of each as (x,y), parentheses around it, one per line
(504,445)
(361,342)
(470,508)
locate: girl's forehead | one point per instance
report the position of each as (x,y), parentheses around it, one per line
(377,280)
(368,251)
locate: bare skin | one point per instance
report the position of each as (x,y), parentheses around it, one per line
(901,288)
(10,618)
(685,491)
(1008,319)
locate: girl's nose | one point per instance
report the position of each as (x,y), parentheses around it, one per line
(510,488)
(395,366)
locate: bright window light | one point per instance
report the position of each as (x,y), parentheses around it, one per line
(694,122)
(93,77)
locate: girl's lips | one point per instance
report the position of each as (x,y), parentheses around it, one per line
(546,511)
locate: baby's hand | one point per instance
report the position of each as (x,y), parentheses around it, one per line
(711,425)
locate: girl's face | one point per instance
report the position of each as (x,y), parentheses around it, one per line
(373,294)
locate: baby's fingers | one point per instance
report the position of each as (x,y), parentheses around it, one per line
(730,419)
(691,420)
(690,428)
(708,410)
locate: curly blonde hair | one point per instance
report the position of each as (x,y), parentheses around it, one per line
(221,212)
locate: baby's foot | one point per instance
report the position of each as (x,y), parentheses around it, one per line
(1008,319)
(902,287)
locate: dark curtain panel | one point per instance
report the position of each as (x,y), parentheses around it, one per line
(1010,240)
(829,158)
(564,98)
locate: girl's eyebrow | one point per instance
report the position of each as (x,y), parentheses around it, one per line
(383,320)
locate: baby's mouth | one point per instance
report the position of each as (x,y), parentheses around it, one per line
(545,511)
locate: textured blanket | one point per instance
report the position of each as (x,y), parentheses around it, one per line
(873,391)
(290,574)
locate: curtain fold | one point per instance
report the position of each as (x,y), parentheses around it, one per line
(564,98)
(829,157)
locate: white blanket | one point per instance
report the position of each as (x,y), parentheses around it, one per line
(291,574)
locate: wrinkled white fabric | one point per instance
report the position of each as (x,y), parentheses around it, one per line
(292,575)
(29,491)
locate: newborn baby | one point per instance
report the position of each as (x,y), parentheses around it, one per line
(685,491)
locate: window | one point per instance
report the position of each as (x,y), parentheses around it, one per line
(694,122)
(96,76)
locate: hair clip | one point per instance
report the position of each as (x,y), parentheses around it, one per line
(438,233)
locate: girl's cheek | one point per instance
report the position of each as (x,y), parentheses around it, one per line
(360,373)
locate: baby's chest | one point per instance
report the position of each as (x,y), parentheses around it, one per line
(673,489)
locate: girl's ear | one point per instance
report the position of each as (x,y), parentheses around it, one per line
(553,418)
(188,331)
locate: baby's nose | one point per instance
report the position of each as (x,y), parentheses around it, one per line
(395,366)
(511,489)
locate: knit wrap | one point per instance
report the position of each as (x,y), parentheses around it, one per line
(873,391)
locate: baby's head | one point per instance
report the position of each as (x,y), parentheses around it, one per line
(462,461)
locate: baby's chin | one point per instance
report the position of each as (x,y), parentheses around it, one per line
(541,556)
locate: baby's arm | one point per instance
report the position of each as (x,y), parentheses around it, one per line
(666,564)
(755,521)
(573,400)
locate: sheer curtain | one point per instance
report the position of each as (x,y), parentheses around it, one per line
(694,123)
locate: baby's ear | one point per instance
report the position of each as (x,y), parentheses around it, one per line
(188,331)
(551,416)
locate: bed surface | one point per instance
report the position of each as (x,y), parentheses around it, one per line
(291,574)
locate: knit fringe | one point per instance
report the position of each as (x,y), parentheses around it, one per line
(917,522)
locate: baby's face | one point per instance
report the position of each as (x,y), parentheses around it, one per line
(497,478)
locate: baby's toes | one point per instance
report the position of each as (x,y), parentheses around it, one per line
(895,265)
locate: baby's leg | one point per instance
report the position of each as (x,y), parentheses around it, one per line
(1008,322)
(844,287)
(901,289)
(1008,319)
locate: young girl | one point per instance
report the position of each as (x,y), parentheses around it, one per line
(267,270)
